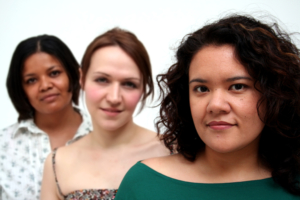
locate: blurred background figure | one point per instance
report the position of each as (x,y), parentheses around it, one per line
(43,85)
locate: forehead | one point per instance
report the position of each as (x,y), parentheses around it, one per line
(40,61)
(213,62)
(115,62)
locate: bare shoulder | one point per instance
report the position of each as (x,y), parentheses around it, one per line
(48,162)
(158,162)
(67,154)
(146,133)
(174,166)
(165,165)
(73,147)
(147,136)
(48,188)
(61,153)
(150,142)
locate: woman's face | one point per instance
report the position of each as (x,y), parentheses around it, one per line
(113,87)
(46,83)
(223,101)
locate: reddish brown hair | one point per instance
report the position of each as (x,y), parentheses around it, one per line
(129,43)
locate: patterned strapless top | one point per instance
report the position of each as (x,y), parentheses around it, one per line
(93,194)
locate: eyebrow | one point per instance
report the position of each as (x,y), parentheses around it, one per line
(130,78)
(50,68)
(238,78)
(199,80)
(32,74)
(102,73)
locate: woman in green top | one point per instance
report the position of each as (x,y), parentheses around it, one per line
(231,109)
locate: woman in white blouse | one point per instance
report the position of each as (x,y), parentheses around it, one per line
(43,84)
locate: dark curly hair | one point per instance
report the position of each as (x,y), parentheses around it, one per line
(272,60)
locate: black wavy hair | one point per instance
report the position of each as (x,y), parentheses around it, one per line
(272,60)
(43,43)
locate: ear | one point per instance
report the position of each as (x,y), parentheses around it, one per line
(81,79)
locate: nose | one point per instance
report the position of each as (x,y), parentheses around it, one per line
(218,102)
(114,94)
(45,84)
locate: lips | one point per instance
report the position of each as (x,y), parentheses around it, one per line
(49,97)
(111,111)
(220,125)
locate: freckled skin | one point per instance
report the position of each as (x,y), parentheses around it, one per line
(217,99)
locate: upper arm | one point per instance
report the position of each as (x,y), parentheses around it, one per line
(49,190)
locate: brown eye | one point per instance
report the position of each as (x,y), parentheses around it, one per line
(55,73)
(130,85)
(101,80)
(237,86)
(30,81)
(201,89)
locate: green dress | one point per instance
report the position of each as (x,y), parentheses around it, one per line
(143,183)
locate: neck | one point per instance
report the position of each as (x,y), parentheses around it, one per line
(236,166)
(58,120)
(115,138)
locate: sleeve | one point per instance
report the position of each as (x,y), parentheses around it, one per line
(0,192)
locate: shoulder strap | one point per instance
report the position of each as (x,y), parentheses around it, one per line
(53,165)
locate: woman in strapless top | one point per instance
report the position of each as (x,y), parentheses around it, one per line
(115,77)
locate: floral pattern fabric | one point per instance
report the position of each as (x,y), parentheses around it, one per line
(23,150)
(101,194)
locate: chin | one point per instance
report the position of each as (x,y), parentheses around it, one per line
(111,127)
(54,109)
(222,148)
(113,124)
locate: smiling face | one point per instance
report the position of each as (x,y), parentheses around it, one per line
(223,101)
(113,87)
(46,83)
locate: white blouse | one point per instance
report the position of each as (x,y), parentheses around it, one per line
(23,150)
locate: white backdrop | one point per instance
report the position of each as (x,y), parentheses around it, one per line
(159,24)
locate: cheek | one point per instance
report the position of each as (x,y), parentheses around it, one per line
(30,93)
(93,93)
(198,109)
(248,112)
(63,82)
(249,104)
(132,99)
